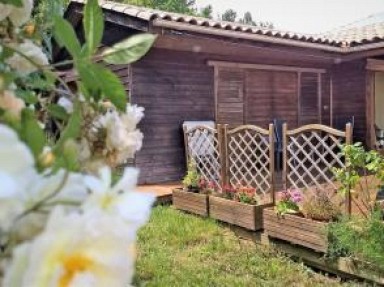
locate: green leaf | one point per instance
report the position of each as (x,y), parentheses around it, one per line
(129,50)
(111,87)
(73,128)
(89,85)
(58,112)
(65,36)
(67,158)
(29,97)
(17,3)
(31,133)
(93,23)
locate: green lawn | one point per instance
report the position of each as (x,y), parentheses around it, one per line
(176,249)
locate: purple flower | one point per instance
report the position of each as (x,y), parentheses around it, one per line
(296,195)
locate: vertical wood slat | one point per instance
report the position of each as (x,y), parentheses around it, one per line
(298,98)
(331,100)
(348,140)
(221,134)
(186,148)
(285,146)
(319,99)
(272,161)
(216,90)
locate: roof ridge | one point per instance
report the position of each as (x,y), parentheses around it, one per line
(339,38)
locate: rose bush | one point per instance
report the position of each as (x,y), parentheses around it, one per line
(63,222)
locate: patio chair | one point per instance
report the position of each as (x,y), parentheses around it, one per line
(278,133)
(340,122)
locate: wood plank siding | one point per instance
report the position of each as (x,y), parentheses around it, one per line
(172,87)
(349,92)
(253,96)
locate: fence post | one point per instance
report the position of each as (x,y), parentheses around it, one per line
(272,162)
(186,146)
(221,134)
(348,141)
(285,154)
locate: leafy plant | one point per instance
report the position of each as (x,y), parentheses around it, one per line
(320,205)
(359,237)
(289,201)
(192,178)
(362,175)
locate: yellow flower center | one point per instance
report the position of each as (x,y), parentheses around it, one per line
(107,200)
(72,265)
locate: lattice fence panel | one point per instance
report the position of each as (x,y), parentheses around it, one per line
(203,147)
(311,153)
(249,162)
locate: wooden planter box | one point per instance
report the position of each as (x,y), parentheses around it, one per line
(195,203)
(295,229)
(236,213)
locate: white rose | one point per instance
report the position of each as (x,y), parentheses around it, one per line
(33,52)
(20,15)
(119,200)
(75,250)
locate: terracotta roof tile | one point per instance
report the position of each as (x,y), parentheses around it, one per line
(354,36)
(341,37)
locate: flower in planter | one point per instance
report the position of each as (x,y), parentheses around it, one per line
(247,195)
(207,187)
(228,191)
(289,201)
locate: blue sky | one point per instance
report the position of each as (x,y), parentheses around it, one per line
(308,16)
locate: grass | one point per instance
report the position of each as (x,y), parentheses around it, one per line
(177,249)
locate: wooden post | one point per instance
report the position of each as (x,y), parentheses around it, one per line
(222,135)
(186,147)
(348,141)
(272,161)
(285,154)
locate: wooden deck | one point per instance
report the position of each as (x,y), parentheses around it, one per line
(163,191)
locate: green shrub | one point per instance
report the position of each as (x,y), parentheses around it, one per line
(362,238)
(192,178)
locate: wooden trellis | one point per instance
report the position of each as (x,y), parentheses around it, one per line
(240,156)
(310,153)
(249,154)
(203,147)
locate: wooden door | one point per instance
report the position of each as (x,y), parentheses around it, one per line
(309,107)
(259,93)
(285,97)
(230,96)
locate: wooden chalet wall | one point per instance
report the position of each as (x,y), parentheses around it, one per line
(172,87)
(349,95)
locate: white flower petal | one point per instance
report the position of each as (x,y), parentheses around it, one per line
(20,15)
(15,156)
(128,181)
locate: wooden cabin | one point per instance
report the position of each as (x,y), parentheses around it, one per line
(201,69)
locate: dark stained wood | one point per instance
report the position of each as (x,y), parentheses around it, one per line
(296,229)
(230,96)
(191,202)
(172,87)
(309,100)
(349,95)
